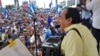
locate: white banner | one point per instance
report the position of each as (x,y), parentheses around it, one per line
(18,49)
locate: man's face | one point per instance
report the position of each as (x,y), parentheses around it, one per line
(62,21)
(1,24)
(25,33)
(22,38)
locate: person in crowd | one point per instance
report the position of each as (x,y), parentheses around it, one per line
(47,32)
(94,5)
(85,15)
(27,37)
(22,38)
(79,42)
(1,42)
(22,25)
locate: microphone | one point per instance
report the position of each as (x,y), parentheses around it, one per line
(55,30)
(57,26)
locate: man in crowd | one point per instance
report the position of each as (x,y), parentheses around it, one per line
(94,5)
(79,42)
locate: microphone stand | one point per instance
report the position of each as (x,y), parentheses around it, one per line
(34,20)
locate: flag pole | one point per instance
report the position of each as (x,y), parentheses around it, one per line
(44,4)
(16,4)
(29,1)
(35,34)
(56,2)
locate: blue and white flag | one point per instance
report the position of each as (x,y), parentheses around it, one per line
(50,4)
(32,8)
(58,9)
(6,13)
(49,20)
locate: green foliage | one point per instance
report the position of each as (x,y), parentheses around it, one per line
(10,6)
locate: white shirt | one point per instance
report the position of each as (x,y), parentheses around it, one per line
(94,5)
(32,39)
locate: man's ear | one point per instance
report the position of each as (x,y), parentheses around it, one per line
(69,20)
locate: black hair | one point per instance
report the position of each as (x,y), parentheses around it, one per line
(78,5)
(74,14)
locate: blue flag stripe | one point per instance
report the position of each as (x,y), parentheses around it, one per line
(6,13)
(50,4)
(49,20)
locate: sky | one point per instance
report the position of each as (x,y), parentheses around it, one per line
(40,3)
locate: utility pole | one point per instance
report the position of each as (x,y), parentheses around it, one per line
(44,4)
(16,4)
(56,2)
(29,1)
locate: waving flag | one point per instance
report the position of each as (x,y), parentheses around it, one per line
(58,9)
(6,13)
(49,20)
(32,8)
(50,4)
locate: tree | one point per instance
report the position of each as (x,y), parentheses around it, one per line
(10,6)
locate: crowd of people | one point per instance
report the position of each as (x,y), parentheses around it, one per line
(21,23)
(34,29)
